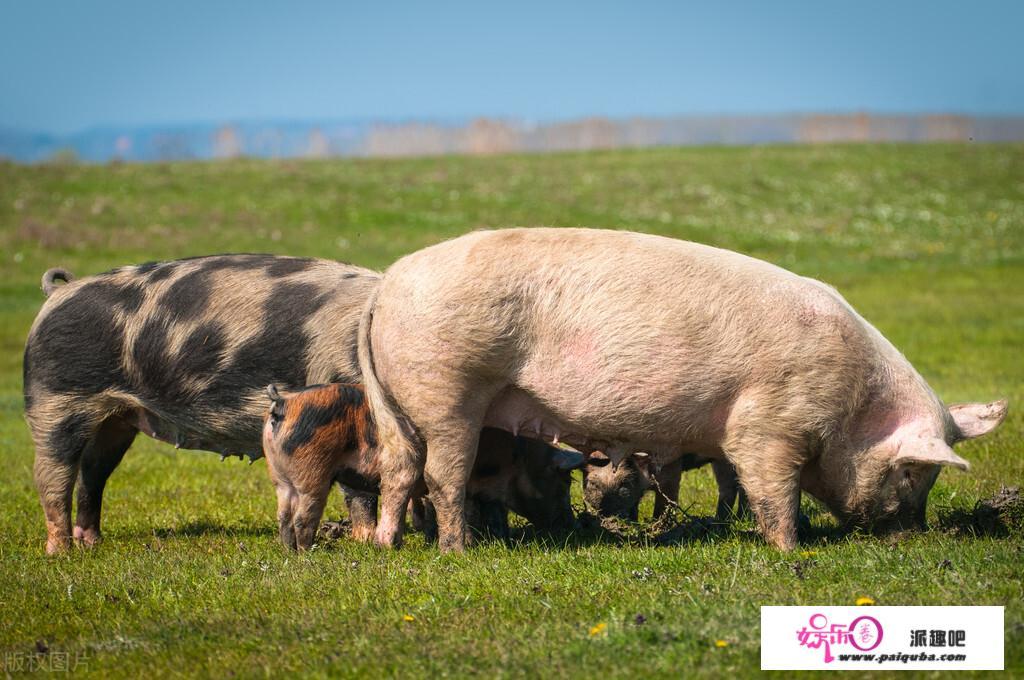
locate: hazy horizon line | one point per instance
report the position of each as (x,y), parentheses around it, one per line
(456,119)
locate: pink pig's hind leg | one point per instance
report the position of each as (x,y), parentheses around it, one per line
(450,458)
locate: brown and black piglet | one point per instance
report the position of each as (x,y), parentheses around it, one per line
(324,434)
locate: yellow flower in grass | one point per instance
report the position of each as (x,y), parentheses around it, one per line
(863,600)
(721,643)
(807,554)
(598,629)
(408,618)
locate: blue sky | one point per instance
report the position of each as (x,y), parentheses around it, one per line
(65,66)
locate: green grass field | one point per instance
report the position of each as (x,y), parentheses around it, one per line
(926,241)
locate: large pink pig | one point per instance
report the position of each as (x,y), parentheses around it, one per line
(624,342)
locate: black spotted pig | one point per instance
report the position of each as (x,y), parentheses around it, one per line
(616,491)
(320,435)
(181,351)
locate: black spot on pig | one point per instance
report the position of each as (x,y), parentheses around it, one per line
(288,265)
(285,313)
(158,271)
(161,271)
(349,275)
(68,440)
(202,352)
(277,354)
(241,261)
(209,264)
(169,378)
(77,346)
(310,419)
(128,297)
(149,353)
(131,297)
(354,396)
(187,297)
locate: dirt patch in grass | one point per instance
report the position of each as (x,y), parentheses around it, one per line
(674,527)
(997,515)
(334,530)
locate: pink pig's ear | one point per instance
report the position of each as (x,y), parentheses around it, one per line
(974,420)
(929,451)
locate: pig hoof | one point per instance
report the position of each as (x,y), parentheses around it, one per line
(57,546)
(390,544)
(453,547)
(453,544)
(389,534)
(388,540)
(87,537)
(363,534)
(785,543)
